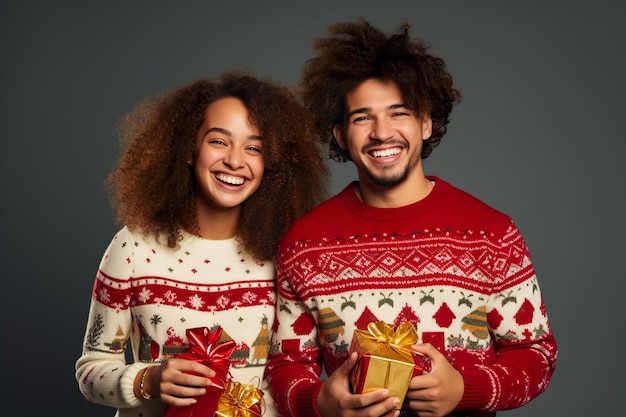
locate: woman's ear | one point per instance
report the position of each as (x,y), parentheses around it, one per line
(337,133)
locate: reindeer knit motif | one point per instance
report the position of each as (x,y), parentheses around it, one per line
(455,268)
(151,294)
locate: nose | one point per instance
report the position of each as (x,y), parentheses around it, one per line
(382,129)
(234,158)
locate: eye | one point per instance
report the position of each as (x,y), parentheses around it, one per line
(254,148)
(216,141)
(360,119)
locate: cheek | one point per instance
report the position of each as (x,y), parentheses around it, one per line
(354,139)
(256,166)
(206,157)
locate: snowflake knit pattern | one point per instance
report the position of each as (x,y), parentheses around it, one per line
(151,294)
(455,268)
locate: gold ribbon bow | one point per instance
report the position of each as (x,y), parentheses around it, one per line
(382,339)
(389,345)
(241,400)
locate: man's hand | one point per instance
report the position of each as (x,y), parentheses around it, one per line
(335,399)
(437,393)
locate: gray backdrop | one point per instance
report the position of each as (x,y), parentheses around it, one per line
(539,135)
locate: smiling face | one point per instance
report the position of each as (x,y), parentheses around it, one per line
(383,136)
(228,163)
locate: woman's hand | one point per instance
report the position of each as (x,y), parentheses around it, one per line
(178,381)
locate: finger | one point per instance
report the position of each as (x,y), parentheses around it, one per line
(182,391)
(391,413)
(418,388)
(389,408)
(177,401)
(369,398)
(195,368)
(421,406)
(192,380)
(426,349)
(348,364)
(430,356)
(375,403)
(174,368)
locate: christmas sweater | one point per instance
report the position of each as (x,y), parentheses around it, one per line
(455,268)
(150,294)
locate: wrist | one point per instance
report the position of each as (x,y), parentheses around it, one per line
(141,390)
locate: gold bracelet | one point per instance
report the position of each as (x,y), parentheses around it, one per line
(142,390)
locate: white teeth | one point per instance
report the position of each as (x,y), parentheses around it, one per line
(230,179)
(386,152)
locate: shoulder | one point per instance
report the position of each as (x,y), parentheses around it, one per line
(466,211)
(134,240)
(320,218)
(458,195)
(331,207)
(134,236)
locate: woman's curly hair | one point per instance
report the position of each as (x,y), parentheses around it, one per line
(356,52)
(153,187)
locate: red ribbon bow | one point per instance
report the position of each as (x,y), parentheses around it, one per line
(203,348)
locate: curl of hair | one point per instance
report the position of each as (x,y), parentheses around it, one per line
(153,187)
(355,52)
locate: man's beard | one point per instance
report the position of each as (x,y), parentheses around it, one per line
(388,179)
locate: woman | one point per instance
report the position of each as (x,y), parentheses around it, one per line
(212,175)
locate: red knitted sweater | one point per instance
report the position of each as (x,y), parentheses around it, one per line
(456,268)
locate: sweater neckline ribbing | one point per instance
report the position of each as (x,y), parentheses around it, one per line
(428,203)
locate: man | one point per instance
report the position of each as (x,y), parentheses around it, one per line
(399,246)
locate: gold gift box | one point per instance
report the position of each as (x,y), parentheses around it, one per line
(240,400)
(386,360)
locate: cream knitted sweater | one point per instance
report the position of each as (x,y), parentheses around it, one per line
(149,294)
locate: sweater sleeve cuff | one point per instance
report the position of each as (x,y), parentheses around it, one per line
(306,399)
(476,392)
(127,383)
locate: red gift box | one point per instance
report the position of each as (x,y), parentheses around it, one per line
(203,348)
(385,359)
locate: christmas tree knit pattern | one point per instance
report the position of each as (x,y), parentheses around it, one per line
(149,294)
(455,268)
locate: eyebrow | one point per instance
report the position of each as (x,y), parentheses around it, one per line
(229,133)
(369,109)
